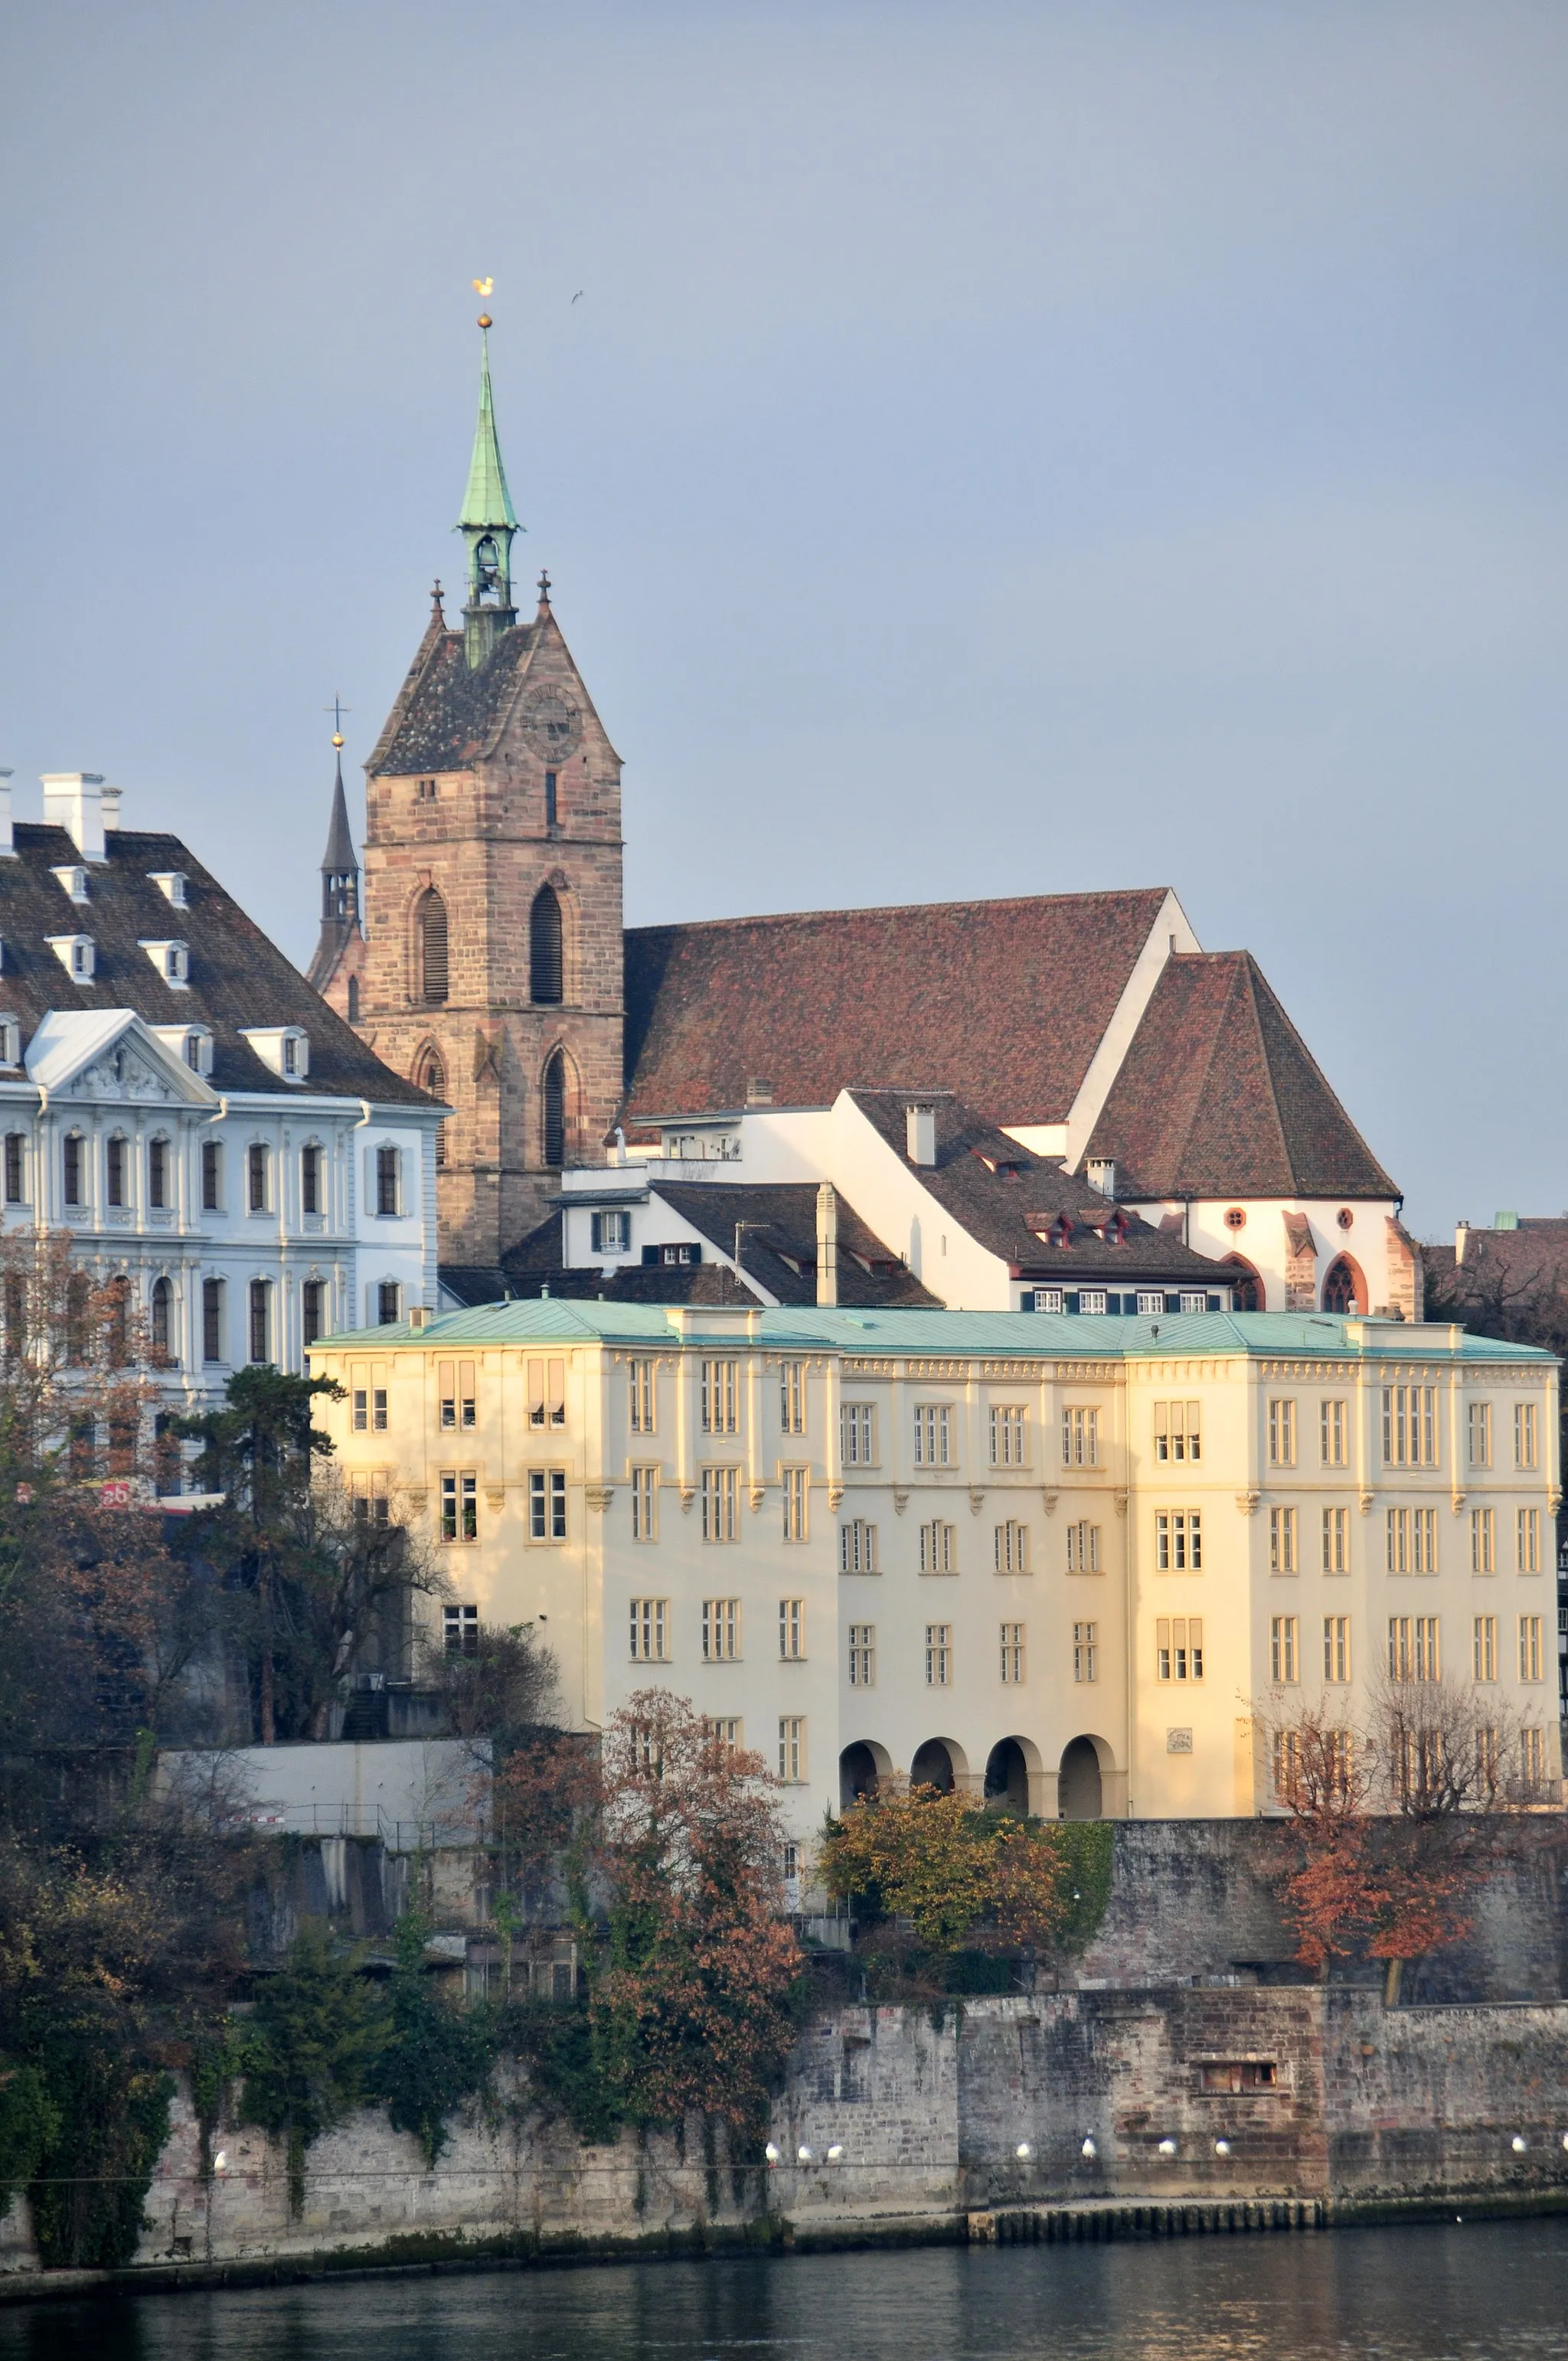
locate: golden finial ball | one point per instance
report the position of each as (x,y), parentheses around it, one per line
(484,319)
(337,739)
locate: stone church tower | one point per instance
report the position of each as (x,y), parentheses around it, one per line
(492,971)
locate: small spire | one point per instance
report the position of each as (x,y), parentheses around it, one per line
(435,599)
(543,589)
(486,504)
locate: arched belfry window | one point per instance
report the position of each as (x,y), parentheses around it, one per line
(544,946)
(431,1075)
(432,964)
(555,1110)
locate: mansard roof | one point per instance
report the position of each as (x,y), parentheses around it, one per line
(237,978)
(1005,1001)
(1042,1221)
(1219,1096)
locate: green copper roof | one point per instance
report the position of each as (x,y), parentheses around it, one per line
(486,500)
(536,1319)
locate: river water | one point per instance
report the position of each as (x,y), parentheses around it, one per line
(1494,2291)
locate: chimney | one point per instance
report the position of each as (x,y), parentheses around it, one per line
(759,1094)
(1461,1240)
(110,799)
(6,847)
(74,800)
(920,1134)
(827,1244)
(1101,1174)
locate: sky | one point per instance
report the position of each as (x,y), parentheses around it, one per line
(1014,448)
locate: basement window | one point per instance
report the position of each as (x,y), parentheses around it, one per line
(1241,2075)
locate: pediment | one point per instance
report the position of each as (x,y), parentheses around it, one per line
(110,1055)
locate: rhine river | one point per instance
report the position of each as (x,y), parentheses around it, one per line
(1496,2291)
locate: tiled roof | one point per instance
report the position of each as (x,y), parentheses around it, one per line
(1004,1002)
(778,1245)
(999,1192)
(447,716)
(533,1267)
(237,977)
(1030,1334)
(1219,1096)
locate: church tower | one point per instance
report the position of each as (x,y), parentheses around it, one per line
(337,969)
(493,888)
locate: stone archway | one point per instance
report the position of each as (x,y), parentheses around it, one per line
(1007,1775)
(939,1763)
(862,1767)
(1080,1790)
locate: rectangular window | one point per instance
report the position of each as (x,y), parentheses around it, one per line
(260,1320)
(1178,1648)
(1282,1558)
(720,1397)
(212,1320)
(460,1631)
(1529,1647)
(1012,1646)
(546,1504)
(792,1397)
(1284,1662)
(378,1403)
(367,1493)
(650,1630)
(932,1435)
(388,1194)
(158,1172)
(1413,1648)
(1483,1541)
(857,1547)
(611,1230)
(1086,1651)
(255,1177)
(1282,1434)
(1411,1541)
(856,1434)
(389,1303)
(863,1656)
(1176,1435)
(16,1151)
(1091,1299)
(796,1487)
(547,1393)
(72,1159)
(1336,1648)
(1336,1540)
(792,1747)
(938,1547)
(1528,1537)
(720,1631)
(1485,1648)
(1331,1432)
(640,1374)
(1179,1541)
(310,1180)
(1410,1426)
(1081,1438)
(117,1180)
(1008,1431)
(212,1175)
(310,1316)
(1478,1419)
(727,1731)
(644,1495)
(1012,1547)
(459,1507)
(720,1496)
(1532,1759)
(792,1631)
(1286,1774)
(1526,1438)
(939,1655)
(1082,1548)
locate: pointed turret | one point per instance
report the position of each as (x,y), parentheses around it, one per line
(487,524)
(340,887)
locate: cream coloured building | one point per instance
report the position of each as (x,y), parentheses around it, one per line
(964,1545)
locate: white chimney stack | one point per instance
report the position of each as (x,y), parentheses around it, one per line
(1461,1240)
(827,1244)
(920,1134)
(111,802)
(74,800)
(6,847)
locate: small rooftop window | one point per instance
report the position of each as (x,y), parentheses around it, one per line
(72,879)
(172,960)
(10,1042)
(172,884)
(76,954)
(285,1047)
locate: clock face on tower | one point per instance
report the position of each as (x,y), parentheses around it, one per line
(552,722)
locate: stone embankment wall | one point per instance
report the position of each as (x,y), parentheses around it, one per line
(928,2110)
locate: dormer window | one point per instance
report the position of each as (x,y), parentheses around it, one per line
(172,883)
(172,960)
(76,955)
(286,1049)
(73,879)
(192,1043)
(10,1042)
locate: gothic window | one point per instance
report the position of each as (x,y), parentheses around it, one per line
(555,1109)
(1342,1288)
(432,965)
(545,947)
(431,1075)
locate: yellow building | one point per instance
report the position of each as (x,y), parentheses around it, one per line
(1085,1562)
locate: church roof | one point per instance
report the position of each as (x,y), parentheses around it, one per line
(1004,1002)
(1219,1096)
(447,715)
(237,978)
(339,856)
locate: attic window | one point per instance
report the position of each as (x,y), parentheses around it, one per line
(73,879)
(1008,1170)
(75,954)
(10,1042)
(286,1049)
(172,883)
(198,1049)
(172,960)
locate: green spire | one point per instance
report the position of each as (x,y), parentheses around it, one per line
(487,524)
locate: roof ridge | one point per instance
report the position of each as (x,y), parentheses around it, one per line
(436,636)
(902,909)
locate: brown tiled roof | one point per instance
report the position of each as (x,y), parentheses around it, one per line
(1219,1096)
(1004,1002)
(238,976)
(444,716)
(1005,1197)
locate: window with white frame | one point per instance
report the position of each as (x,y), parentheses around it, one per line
(720,1397)
(1092,1300)
(611,1230)
(369,1497)
(1178,1648)
(1011,1653)
(1079,1436)
(1282,1432)
(1151,1299)
(720,1631)
(459,1505)
(792,1749)
(1527,1435)
(1178,1540)
(311,1179)
(857,1546)
(388,1192)
(1008,1435)
(1043,1299)
(1528,1538)
(933,1434)
(256,1177)
(1086,1651)
(1483,1541)
(727,1730)
(720,1499)
(863,1656)
(212,1176)
(546,1504)
(1530,1648)
(460,1631)
(1411,1541)
(796,1487)
(389,1303)
(938,1547)
(1410,1426)
(1083,1547)
(1284,1656)
(1336,1540)
(792,1397)
(1176,1432)
(1012,1547)
(644,1400)
(856,1434)
(1413,1648)
(1532,1759)
(650,1630)
(644,1504)
(939,1655)
(792,1631)
(1282,1558)
(547,1393)
(1332,1432)
(457,1403)
(1478,1425)
(1336,1648)
(1484,1648)
(16,1168)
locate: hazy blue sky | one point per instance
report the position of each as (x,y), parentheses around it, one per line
(998,449)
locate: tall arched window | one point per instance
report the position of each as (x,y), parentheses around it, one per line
(431,1075)
(433,961)
(555,1110)
(162,1305)
(353,1000)
(544,946)
(1344,1288)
